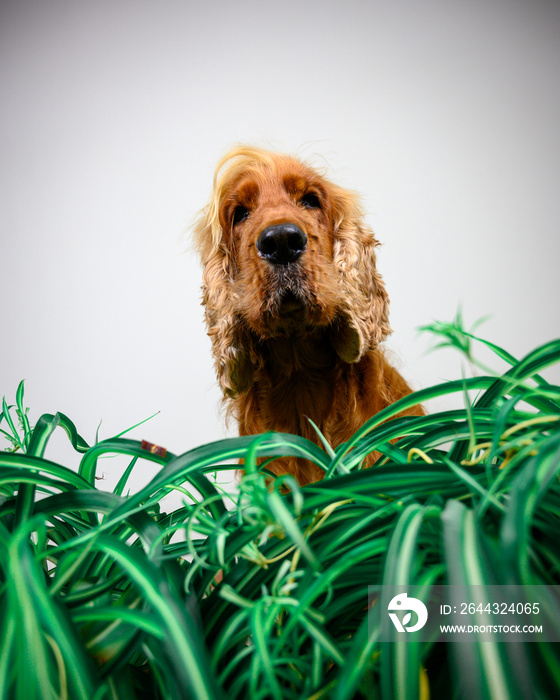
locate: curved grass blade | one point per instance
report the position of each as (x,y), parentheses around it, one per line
(407,402)
(401,660)
(488,669)
(183,643)
(22,413)
(39,616)
(526,493)
(65,478)
(204,458)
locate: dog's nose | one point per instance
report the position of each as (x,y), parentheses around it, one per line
(281,244)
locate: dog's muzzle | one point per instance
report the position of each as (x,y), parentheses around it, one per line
(281,244)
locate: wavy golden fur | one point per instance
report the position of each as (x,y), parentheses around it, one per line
(294,305)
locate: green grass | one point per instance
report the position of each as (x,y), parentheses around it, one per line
(263,594)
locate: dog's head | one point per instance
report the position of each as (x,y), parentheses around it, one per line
(285,253)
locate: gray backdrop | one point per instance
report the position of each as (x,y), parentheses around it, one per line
(443,115)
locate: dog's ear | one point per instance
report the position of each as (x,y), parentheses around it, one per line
(230,347)
(364,321)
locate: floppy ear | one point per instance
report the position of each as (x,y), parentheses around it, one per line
(230,346)
(364,321)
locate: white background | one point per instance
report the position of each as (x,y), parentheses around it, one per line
(443,115)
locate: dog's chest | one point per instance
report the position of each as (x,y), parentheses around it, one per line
(291,389)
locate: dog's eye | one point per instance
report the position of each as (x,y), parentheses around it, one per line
(311,201)
(239,214)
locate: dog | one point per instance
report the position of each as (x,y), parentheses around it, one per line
(294,305)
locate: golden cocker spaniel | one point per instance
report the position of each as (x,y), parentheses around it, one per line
(294,305)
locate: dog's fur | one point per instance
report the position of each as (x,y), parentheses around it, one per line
(297,340)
